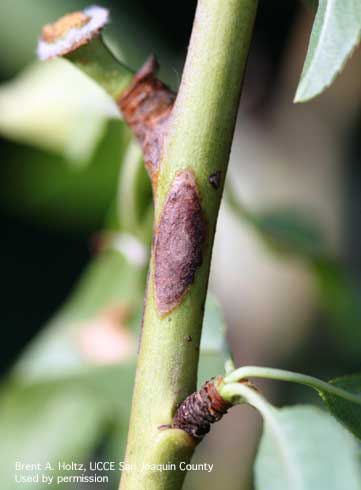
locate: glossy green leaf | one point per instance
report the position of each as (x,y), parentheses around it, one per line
(345,411)
(304,448)
(336,32)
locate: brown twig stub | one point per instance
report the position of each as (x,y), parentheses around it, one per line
(146,107)
(201,409)
(179,239)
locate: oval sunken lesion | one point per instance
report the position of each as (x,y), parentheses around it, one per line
(178,242)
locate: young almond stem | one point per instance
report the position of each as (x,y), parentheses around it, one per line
(186,144)
(187,192)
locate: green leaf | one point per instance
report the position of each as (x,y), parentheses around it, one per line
(336,32)
(345,411)
(53,106)
(304,448)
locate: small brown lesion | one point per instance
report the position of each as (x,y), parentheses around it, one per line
(146,107)
(59,29)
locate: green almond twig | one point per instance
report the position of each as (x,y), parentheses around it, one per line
(186,150)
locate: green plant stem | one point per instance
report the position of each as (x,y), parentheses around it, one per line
(199,140)
(281,375)
(97,61)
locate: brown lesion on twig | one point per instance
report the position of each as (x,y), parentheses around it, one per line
(178,243)
(146,107)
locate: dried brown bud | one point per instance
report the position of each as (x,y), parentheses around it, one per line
(201,409)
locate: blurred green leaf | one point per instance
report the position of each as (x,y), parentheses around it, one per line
(55,107)
(290,231)
(284,230)
(341,299)
(345,411)
(47,189)
(109,282)
(61,420)
(304,448)
(58,395)
(336,32)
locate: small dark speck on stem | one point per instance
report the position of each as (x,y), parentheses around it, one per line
(215,179)
(189,338)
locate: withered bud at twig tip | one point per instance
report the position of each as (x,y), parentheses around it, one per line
(71,31)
